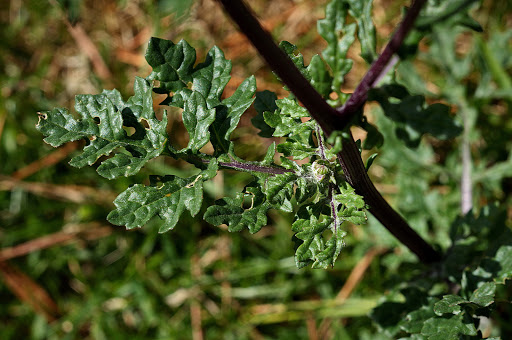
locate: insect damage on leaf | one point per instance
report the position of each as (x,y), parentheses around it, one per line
(103,118)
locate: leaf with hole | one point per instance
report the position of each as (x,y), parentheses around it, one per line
(103,117)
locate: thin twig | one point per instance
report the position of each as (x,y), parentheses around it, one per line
(240,166)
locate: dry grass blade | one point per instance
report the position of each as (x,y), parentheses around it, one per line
(89,231)
(87,46)
(71,193)
(45,162)
(28,291)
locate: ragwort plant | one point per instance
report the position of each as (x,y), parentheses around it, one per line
(316,171)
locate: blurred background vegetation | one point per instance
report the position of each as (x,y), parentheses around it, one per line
(65,273)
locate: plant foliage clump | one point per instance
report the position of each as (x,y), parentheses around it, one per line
(315,190)
(305,173)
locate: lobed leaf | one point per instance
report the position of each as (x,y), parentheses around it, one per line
(197,119)
(198,90)
(167,197)
(103,119)
(313,249)
(231,211)
(229,113)
(321,79)
(362,12)
(172,64)
(339,37)
(450,328)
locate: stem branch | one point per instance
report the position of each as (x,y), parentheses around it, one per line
(358,98)
(331,119)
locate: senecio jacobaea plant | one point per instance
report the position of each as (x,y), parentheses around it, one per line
(321,191)
(315,172)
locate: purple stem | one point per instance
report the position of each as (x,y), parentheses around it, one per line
(326,116)
(358,98)
(255,168)
(247,166)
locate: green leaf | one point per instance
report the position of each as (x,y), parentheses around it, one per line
(374,139)
(339,37)
(269,155)
(504,258)
(281,124)
(484,295)
(198,91)
(450,304)
(234,213)
(361,10)
(448,328)
(167,197)
(296,149)
(413,118)
(286,121)
(265,102)
(415,320)
(314,250)
(454,12)
(229,113)
(321,79)
(212,76)
(349,205)
(103,118)
(172,64)
(306,189)
(296,57)
(197,118)
(279,189)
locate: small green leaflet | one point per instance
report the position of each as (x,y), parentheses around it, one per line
(297,58)
(286,121)
(350,205)
(172,64)
(103,119)
(167,197)
(229,113)
(231,211)
(454,12)
(361,10)
(312,220)
(197,118)
(314,249)
(279,190)
(321,79)
(449,328)
(339,37)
